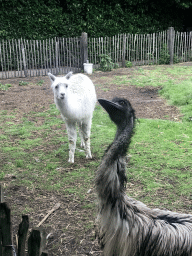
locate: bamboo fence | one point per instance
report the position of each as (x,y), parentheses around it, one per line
(21,58)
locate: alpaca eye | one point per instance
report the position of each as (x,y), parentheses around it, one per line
(56,87)
(66,85)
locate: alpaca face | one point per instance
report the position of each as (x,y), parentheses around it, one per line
(60,85)
(60,91)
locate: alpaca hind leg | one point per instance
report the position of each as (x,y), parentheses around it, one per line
(72,137)
(86,130)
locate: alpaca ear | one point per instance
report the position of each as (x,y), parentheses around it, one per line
(69,75)
(52,77)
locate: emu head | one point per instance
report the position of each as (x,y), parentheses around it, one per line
(119,110)
(60,85)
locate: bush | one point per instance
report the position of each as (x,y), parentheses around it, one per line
(106,63)
(165,56)
(128,64)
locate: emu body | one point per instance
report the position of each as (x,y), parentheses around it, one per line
(75,97)
(126,227)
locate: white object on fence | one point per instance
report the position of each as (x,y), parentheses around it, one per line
(88,68)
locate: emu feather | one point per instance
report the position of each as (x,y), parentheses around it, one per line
(126,227)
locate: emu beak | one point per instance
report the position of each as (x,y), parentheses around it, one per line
(110,106)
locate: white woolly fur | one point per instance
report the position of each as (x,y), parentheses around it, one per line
(75,97)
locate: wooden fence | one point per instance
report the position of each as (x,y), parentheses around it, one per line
(36,240)
(21,58)
(142,49)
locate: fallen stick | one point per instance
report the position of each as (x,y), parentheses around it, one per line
(52,210)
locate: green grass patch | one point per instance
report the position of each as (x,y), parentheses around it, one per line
(161,157)
(175,81)
(5,87)
(179,94)
(159,171)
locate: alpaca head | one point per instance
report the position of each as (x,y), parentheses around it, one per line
(119,110)
(60,85)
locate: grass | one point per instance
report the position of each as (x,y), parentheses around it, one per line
(159,172)
(161,159)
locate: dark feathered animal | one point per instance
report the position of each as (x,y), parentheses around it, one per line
(126,227)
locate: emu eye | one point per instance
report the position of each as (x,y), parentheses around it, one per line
(122,102)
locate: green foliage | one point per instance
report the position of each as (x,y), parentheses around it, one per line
(106,63)
(115,65)
(165,56)
(4,87)
(40,83)
(43,19)
(128,64)
(23,83)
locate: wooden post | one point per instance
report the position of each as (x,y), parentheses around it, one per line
(22,234)
(123,50)
(56,56)
(171,37)
(24,60)
(1,195)
(5,227)
(84,49)
(37,242)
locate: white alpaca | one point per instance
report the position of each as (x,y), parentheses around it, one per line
(75,97)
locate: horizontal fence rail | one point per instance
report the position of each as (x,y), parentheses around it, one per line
(21,58)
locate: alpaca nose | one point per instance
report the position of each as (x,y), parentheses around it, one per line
(62,95)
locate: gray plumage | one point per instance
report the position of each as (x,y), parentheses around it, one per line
(126,227)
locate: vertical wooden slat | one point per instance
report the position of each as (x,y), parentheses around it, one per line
(190,46)
(20,58)
(56,57)
(40,59)
(63,42)
(23,58)
(22,235)
(7,59)
(6,229)
(32,57)
(11,58)
(1,59)
(4,61)
(47,54)
(44,57)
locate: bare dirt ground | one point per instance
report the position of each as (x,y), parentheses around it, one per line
(66,233)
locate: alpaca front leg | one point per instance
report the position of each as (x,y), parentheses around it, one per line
(72,146)
(72,137)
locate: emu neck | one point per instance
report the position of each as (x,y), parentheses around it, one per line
(123,136)
(111,175)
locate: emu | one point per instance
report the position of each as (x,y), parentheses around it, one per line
(75,97)
(124,226)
